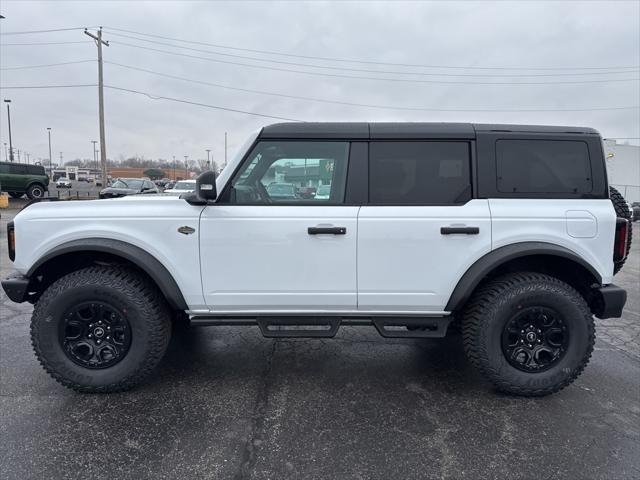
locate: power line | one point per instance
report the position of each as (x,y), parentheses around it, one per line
(354,104)
(37,43)
(26,32)
(362,70)
(216,107)
(18,87)
(368,62)
(385,79)
(46,65)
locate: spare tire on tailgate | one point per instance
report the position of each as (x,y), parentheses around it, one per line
(622,211)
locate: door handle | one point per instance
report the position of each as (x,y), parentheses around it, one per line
(326,230)
(459,230)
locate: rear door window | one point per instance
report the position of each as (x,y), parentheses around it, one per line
(543,166)
(419,173)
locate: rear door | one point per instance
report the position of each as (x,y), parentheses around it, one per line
(267,247)
(421,229)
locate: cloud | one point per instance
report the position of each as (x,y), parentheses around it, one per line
(480,34)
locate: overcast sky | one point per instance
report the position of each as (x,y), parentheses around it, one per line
(549,39)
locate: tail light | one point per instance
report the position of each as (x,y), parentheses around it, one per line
(622,235)
(11,240)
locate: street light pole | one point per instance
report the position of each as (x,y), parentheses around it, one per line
(95,157)
(174,168)
(208,161)
(50,157)
(186,167)
(7,101)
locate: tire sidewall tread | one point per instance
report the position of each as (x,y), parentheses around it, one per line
(124,289)
(495,302)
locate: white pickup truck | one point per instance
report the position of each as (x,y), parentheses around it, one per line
(506,232)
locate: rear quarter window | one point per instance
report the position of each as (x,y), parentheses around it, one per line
(543,166)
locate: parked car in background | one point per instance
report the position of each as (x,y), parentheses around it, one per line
(168,185)
(63,182)
(183,186)
(282,191)
(128,186)
(307,192)
(635,209)
(323,192)
(18,179)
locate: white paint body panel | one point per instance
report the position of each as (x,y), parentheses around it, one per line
(551,221)
(262,258)
(405,263)
(148,222)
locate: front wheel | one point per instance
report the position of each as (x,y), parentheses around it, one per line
(530,334)
(100,329)
(35,191)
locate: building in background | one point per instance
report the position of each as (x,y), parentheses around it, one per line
(623,168)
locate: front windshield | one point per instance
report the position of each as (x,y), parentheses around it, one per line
(133,184)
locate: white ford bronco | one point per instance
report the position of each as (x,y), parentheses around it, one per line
(507,233)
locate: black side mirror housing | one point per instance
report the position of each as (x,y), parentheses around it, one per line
(205,189)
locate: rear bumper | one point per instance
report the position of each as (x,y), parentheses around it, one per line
(16,288)
(609,302)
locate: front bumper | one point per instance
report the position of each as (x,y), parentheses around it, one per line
(609,301)
(16,287)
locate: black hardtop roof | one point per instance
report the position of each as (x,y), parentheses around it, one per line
(408,130)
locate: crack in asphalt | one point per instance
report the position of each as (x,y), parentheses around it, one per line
(248,456)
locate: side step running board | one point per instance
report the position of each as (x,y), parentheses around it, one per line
(308,326)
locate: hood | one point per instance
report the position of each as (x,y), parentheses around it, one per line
(113,208)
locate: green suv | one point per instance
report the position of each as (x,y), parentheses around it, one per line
(18,179)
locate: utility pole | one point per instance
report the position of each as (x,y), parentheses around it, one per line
(225,149)
(208,161)
(103,147)
(7,101)
(50,157)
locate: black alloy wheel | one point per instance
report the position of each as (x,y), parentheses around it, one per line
(535,339)
(95,335)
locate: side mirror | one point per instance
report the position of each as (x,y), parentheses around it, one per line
(206,186)
(205,190)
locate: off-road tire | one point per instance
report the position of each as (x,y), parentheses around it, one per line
(622,211)
(146,311)
(491,307)
(35,190)
(16,194)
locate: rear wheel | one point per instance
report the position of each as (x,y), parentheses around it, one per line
(622,211)
(100,329)
(528,333)
(35,190)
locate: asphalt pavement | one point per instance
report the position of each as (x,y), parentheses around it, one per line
(227,403)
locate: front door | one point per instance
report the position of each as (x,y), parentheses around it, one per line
(421,229)
(280,238)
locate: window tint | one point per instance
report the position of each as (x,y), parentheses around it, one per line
(543,166)
(36,169)
(292,171)
(419,173)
